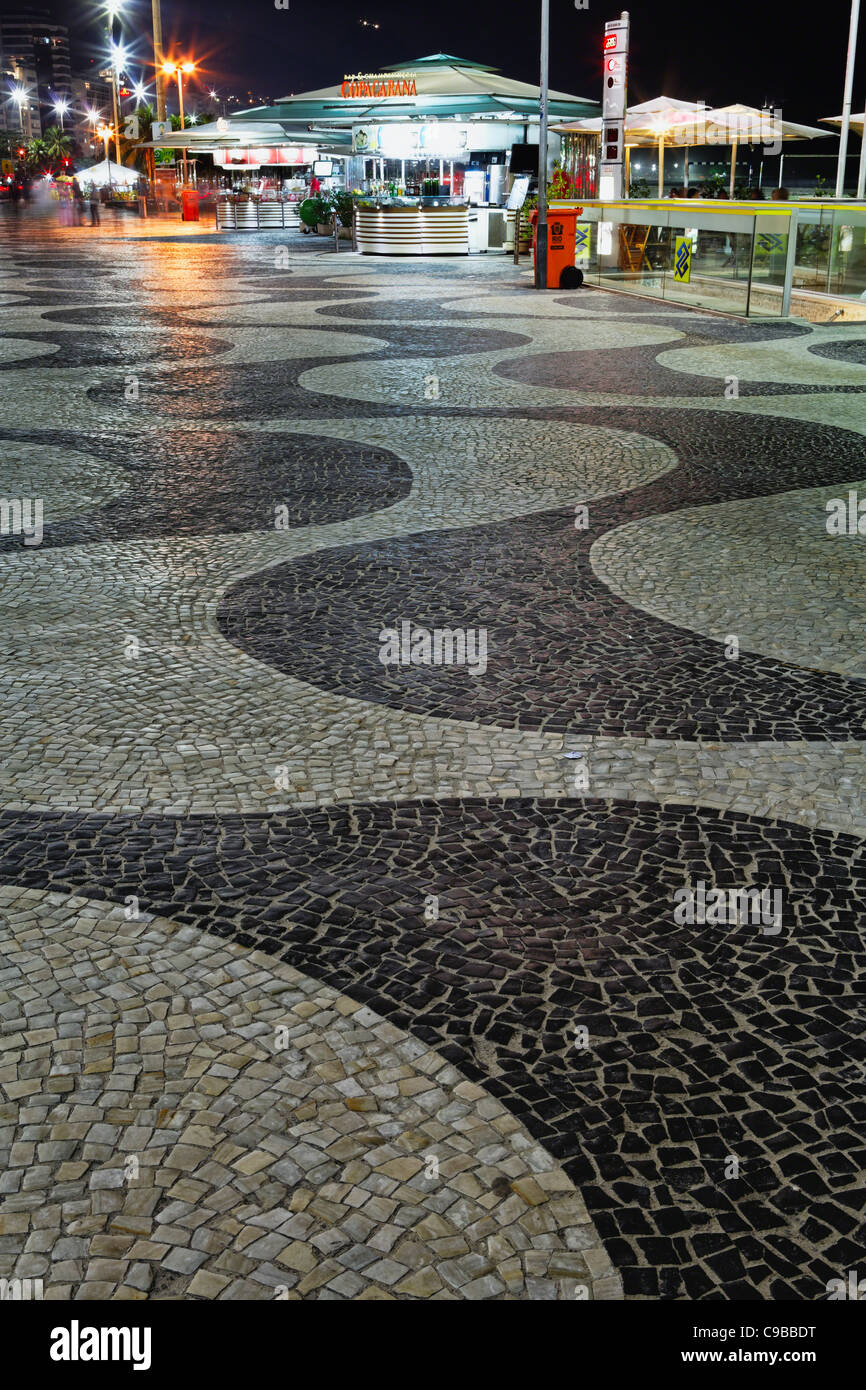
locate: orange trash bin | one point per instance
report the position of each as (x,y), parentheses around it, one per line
(561,235)
(189,203)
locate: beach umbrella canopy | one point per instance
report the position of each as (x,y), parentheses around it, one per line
(739,124)
(658,122)
(106,171)
(668,120)
(855,123)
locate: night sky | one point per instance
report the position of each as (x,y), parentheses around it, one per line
(734,51)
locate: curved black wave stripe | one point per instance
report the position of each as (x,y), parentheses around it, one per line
(564,653)
(95,349)
(853,352)
(703,1042)
(204,482)
(634,371)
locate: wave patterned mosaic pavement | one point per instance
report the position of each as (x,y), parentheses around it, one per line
(247,474)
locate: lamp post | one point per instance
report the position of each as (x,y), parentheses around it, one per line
(541,223)
(22,101)
(104,132)
(177,70)
(112,12)
(158,60)
(61,106)
(846,105)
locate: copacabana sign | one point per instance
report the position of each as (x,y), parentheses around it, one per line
(373,84)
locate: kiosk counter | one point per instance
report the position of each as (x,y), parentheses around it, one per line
(412,227)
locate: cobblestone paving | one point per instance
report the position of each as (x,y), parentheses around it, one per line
(184,1117)
(379,906)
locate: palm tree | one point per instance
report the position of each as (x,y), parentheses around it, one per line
(37,153)
(57,144)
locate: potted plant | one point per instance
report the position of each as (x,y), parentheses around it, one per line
(525,225)
(309,214)
(343,205)
(323,213)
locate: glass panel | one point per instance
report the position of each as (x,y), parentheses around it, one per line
(813,252)
(704,269)
(847,256)
(768,272)
(718,274)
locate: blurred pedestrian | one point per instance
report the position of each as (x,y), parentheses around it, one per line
(78,201)
(94,206)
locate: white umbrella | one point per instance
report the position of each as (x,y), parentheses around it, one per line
(730,125)
(648,123)
(855,123)
(107,172)
(669,120)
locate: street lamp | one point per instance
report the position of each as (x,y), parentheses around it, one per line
(113,10)
(177,70)
(21,99)
(105,133)
(61,106)
(541,207)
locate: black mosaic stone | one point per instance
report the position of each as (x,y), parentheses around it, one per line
(853,352)
(636,371)
(201,482)
(553,915)
(564,653)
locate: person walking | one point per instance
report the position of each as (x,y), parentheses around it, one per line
(94,206)
(78,202)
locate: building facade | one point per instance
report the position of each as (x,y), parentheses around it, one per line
(35,65)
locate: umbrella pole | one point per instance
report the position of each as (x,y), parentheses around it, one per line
(733,167)
(846,107)
(861,170)
(686,168)
(661,166)
(781,162)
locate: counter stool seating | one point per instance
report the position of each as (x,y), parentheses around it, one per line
(632,245)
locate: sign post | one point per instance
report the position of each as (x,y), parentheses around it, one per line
(541,225)
(613,109)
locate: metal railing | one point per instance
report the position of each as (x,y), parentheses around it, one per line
(253,216)
(744,258)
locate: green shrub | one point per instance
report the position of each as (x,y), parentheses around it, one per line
(308,212)
(343,205)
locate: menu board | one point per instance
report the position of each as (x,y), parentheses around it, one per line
(519,190)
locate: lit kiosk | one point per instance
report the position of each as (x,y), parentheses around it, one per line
(430,147)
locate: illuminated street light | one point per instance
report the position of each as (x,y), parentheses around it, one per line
(21,97)
(61,106)
(177,70)
(119,57)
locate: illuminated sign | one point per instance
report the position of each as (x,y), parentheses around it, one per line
(372,84)
(682,260)
(609,42)
(255,157)
(410,140)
